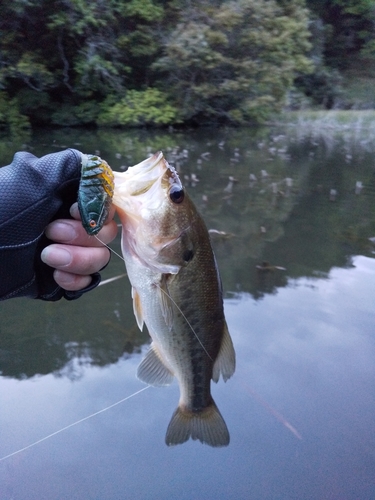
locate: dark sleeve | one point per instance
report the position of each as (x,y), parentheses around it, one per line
(33,192)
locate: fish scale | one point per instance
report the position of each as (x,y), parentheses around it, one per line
(177,293)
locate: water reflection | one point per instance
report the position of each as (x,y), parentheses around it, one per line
(307,353)
(266,199)
(298,273)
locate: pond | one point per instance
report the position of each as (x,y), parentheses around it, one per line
(292,211)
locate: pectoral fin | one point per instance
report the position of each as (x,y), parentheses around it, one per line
(137,308)
(152,370)
(166,303)
(226,360)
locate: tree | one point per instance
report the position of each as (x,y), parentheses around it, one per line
(350,29)
(234,61)
(75,50)
(67,61)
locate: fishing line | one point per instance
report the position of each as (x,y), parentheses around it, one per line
(74,423)
(179,309)
(187,321)
(109,248)
(109,280)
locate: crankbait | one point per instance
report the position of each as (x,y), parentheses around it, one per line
(95,193)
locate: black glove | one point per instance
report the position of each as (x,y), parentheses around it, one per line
(33,192)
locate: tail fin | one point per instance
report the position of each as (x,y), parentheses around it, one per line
(207,425)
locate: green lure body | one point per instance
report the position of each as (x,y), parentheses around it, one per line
(95,193)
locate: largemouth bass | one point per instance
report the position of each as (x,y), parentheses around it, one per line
(177,293)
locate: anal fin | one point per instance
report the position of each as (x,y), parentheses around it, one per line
(152,370)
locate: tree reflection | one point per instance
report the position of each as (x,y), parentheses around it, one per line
(265,195)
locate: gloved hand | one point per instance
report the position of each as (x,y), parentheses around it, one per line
(34,192)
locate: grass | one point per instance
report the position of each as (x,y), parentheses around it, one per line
(331,119)
(352,127)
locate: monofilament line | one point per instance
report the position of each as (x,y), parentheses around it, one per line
(73,424)
(109,248)
(183,315)
(187,321)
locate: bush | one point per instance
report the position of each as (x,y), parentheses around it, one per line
(10,116)
(70,115)
(323,86)
(138,108)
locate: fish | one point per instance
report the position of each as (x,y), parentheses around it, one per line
(177,294)
(95,193)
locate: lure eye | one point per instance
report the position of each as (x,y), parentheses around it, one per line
(177,195)
(92,223)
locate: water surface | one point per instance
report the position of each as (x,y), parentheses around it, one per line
(298,272)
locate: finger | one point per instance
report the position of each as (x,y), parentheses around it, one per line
(74,211)
(71,282)
(72,232)
(75,259)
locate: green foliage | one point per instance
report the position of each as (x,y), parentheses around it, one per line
(236,62)
(85,47)
(138,108)
(156,62)
(32,71)
(70,115)
(10,116)
(350,29)
(343,37)
(142,9)
(323,86)
(357,7)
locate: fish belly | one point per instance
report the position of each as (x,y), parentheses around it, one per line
(177,350)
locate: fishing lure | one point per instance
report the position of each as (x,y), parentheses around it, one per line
(95,193)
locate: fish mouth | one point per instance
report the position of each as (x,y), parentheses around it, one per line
(142,200)
(146,173)
(145,184)
(138,179)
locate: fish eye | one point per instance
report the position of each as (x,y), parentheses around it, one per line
(177,195)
